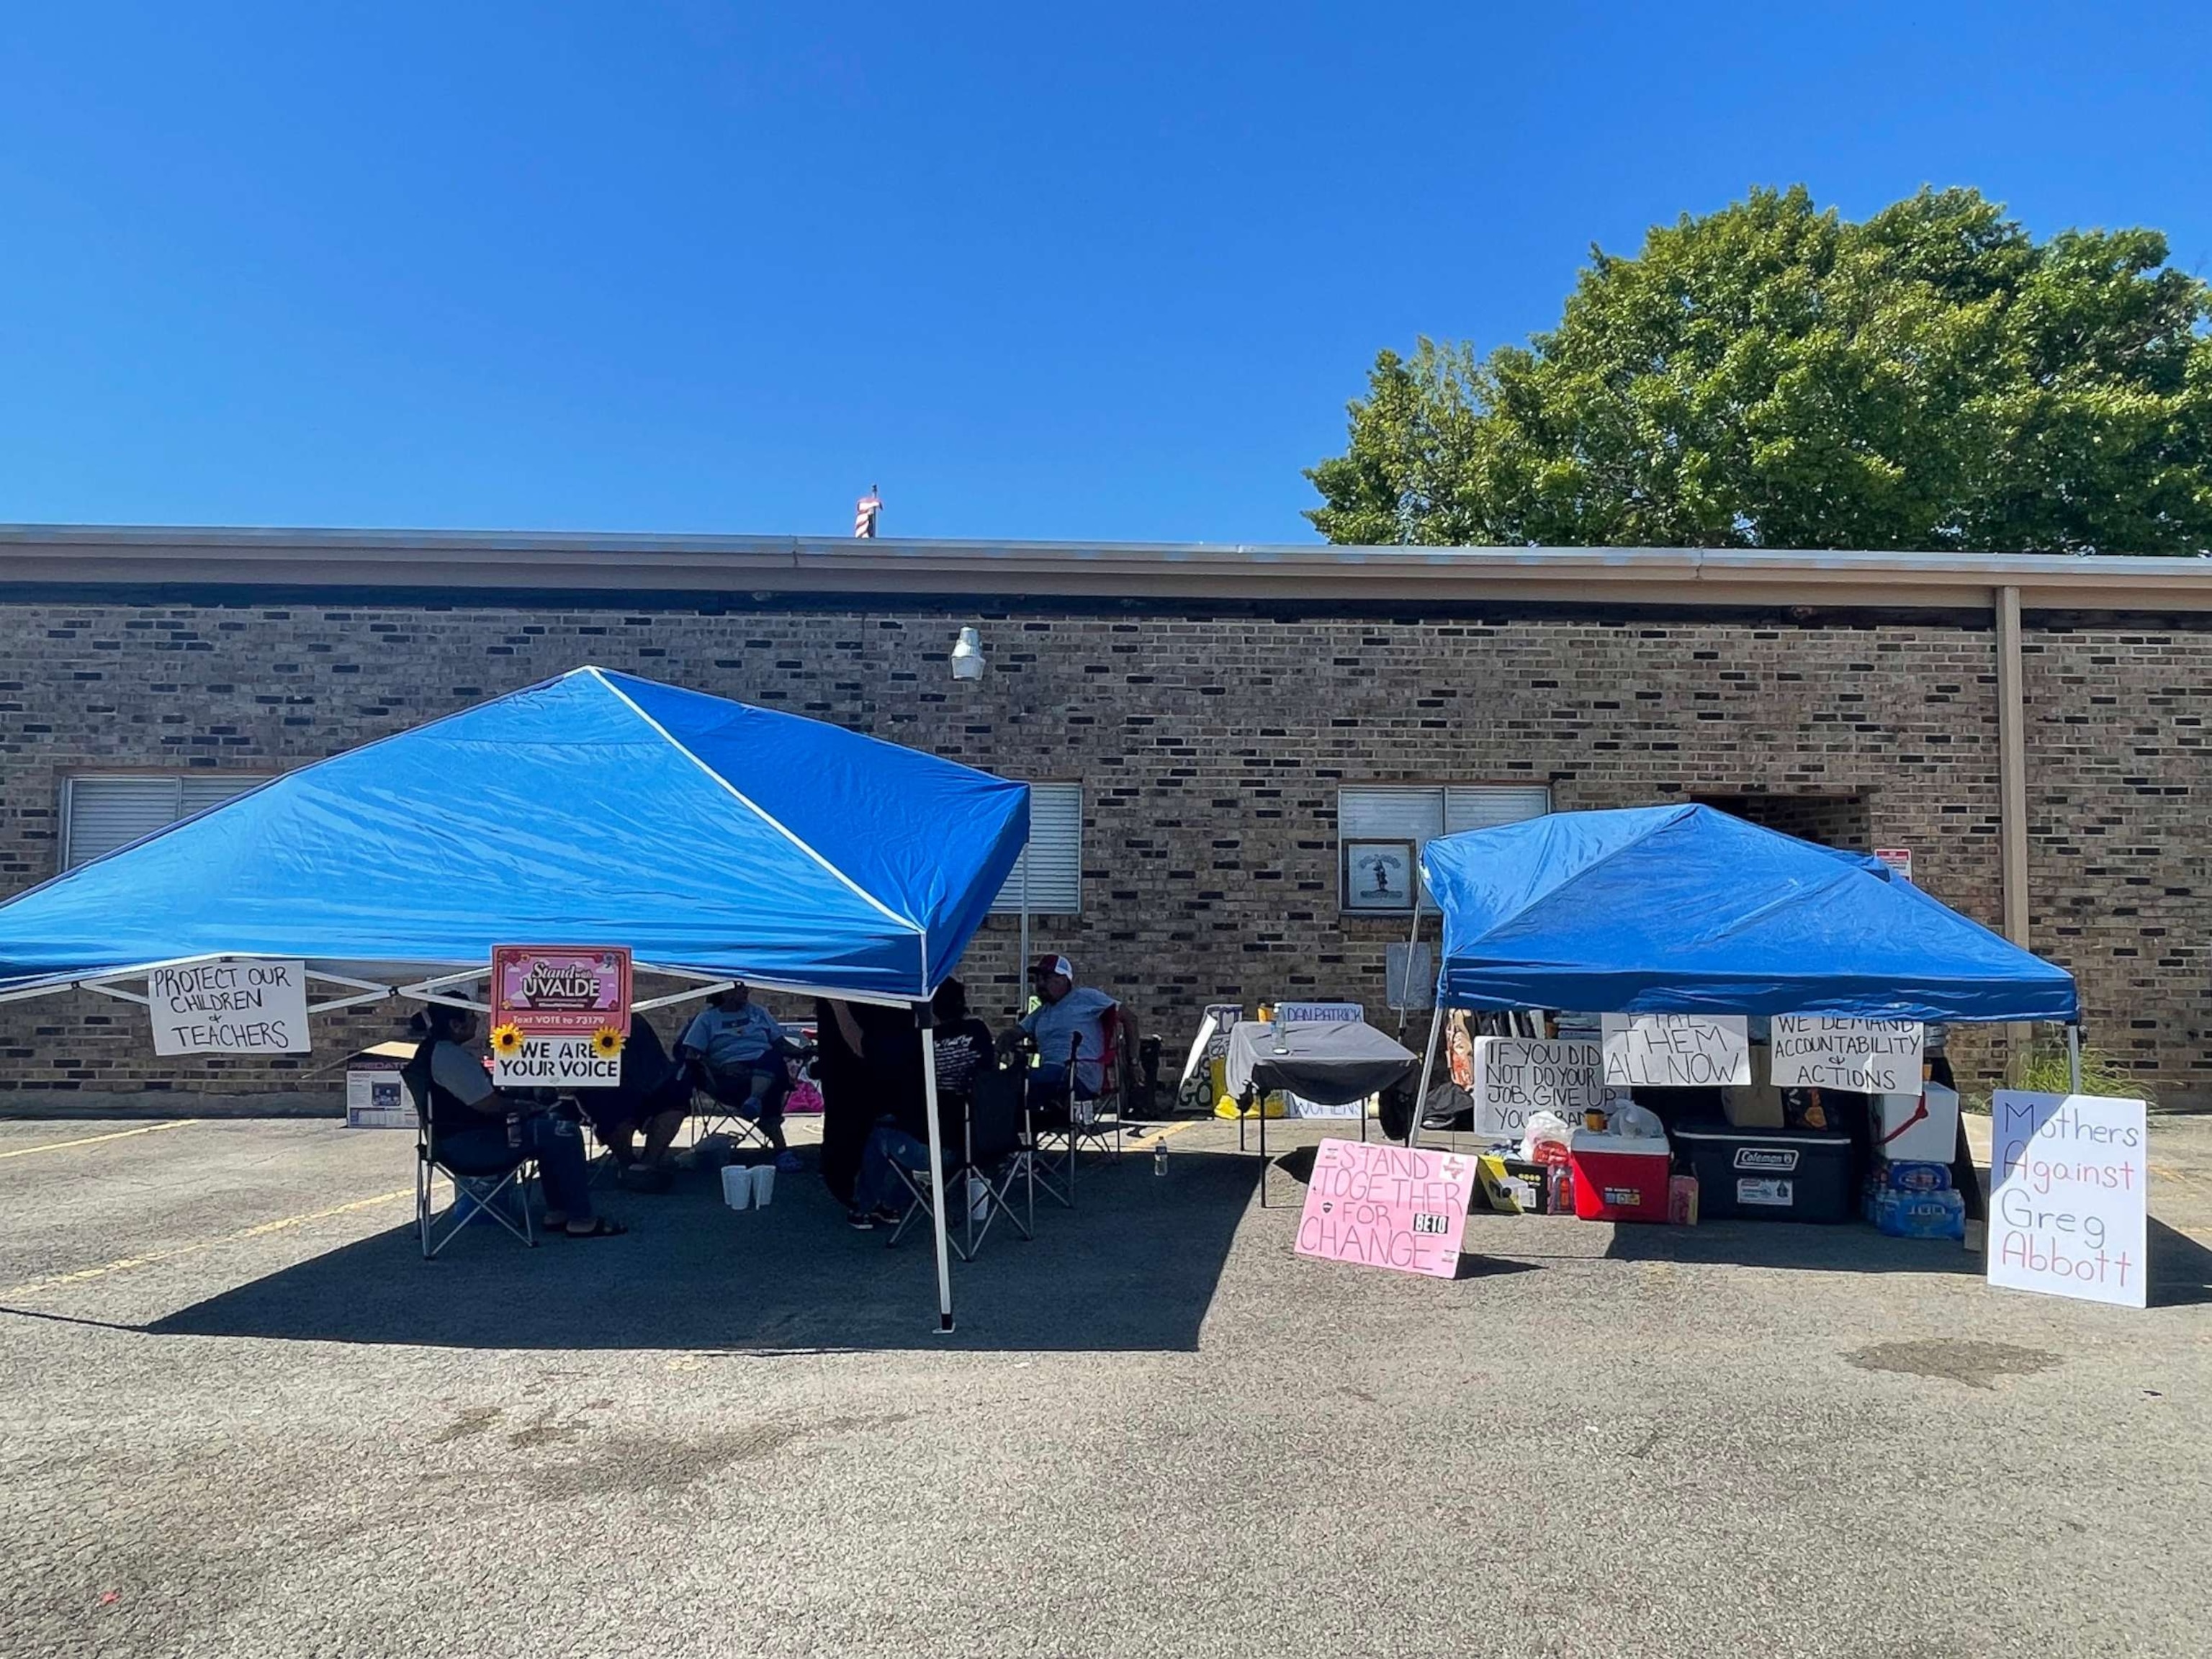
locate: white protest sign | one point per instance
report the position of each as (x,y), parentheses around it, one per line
(1517,1077)
(1676,1051)
(2067,1197)
(556,1062)
(231,1006)
(1865,1056)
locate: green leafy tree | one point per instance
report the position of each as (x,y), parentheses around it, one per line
(1772,375)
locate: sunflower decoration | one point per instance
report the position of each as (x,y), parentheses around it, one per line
(506,1040)
(606,1043)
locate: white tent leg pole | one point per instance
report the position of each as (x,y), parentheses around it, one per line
(1428,1068)
(1405,991)
(928,1021)
(1022,968)
(2074,1059)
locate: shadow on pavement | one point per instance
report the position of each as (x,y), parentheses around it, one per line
(1846,1247)
(1132,1267)
(2180,1267)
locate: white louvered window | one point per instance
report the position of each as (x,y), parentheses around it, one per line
(1053,860)
(99,814)
(1419,812)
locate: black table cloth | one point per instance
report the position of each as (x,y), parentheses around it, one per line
(1331,1065)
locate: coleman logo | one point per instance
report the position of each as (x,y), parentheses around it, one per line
(1765,1157)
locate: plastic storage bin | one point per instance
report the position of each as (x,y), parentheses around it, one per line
(1771,1174)
(1619,1177)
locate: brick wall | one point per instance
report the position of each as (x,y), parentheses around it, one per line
(1210,747)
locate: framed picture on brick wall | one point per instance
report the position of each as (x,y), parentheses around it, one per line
(1378,875)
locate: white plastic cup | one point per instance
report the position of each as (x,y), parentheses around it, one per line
(763,1177)
(737,1186)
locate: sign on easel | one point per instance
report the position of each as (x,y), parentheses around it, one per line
(235,1005)
(1384,1206)
(2068,1203)
(560,1015)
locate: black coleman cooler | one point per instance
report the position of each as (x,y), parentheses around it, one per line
(1771,1174)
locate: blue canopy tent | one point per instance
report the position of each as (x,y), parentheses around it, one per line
(719,841)
(1689,909)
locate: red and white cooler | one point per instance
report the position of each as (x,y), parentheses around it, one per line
(1619,1177)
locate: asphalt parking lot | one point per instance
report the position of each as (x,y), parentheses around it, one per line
(243,1417)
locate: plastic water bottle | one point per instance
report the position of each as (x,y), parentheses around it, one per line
(1160,1156)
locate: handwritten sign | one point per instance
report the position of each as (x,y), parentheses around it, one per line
(1380,1205)
(1517,1076)
(1676,1051)
(2067,1201)
(233,1007)
(1865,1056)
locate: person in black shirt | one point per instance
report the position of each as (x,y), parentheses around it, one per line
(963,1048)
(964,1043)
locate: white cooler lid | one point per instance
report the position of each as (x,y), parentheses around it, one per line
(1594,1140)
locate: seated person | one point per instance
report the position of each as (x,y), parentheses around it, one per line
(742,1050)
(1068,1018)
(469,1127)
(653,1097)
(963,1045)
(962,1050)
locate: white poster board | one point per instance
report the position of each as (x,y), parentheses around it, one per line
(1517,1077)
(1676,1051)
(2068,1199)
(555,1062)
(1865,1056)
(229,1006)
(1320,1013)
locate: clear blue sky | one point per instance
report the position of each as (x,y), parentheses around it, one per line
(1037,270)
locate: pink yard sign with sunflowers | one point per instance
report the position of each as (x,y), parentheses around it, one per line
(1386,1205)
(560,1015)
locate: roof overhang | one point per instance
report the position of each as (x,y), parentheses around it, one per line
(478,564)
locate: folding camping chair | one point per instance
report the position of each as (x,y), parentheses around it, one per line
(487,1186)
(995,1152)
(715,1110)
(1074,1120)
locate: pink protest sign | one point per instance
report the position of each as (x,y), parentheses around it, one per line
(1384,1206)
(560,990)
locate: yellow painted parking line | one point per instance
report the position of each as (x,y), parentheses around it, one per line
(93,1140)
(125,1264)
(1165,1130)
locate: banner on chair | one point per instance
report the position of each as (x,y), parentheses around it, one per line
(560,1015)
(230,1006)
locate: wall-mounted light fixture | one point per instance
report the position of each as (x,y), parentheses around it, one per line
(968,662)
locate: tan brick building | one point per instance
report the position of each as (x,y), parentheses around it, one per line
(1216,721)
